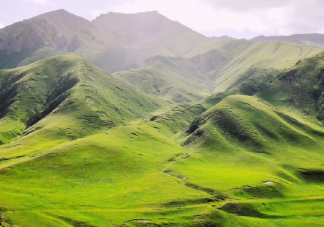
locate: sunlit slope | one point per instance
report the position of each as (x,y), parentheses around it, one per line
(300,87)
(102,180)
(63,98)
(264,158)
(244,56)
(173,79)
(243,162)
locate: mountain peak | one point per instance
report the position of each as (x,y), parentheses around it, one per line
(149,22)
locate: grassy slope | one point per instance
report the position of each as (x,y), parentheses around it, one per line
(242,142)
(139,172)
(232,160)
(173,79)
(300,87)
(249,66)
(61,99)
(245,55)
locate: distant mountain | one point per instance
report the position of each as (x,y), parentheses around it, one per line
(224,37)
(315,40)
(54,33)
(144,35)
(174,79)
(110,45)
(232,62)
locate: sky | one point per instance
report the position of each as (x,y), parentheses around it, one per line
(235,18)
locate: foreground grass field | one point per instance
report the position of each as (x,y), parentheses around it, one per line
(263,169)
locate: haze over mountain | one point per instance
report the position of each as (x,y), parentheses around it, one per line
(187,130)
(315,40)
(108,46)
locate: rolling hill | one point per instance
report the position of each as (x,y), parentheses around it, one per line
(176,80)
(246,58)
(194,132)
(61,99)
(216,66)
(242,162)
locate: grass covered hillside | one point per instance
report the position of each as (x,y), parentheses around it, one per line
(216,66)
(300,87)
(193,132)
(242,162)
(176,80)
(61,99)
(243,59)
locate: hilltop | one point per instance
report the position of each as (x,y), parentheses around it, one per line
(61,99)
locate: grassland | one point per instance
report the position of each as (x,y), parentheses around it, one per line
(81,147)
(239,57)
(180,168)
(212,133)
(175,80)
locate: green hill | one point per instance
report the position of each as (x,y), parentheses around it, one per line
(176,80)
(195,132)
(300,87)
(61,99)
(241,60)
(242,162)
(216,66)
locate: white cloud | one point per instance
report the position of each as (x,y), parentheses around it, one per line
(1,25)
(42,2)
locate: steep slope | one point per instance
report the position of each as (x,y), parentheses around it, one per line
(173,79)
(64,98)
(243,59)
(150,30)
(301,87)
(46,35)
(314,40)
(144,35)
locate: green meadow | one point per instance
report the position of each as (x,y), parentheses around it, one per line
(188,131)
(242,162)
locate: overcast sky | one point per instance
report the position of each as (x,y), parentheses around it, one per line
(237,18)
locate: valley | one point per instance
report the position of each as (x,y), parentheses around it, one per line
(150,123)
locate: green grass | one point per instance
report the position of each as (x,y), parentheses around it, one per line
(176,80)
(239,57)
(139,174)
(84,148)
(61,99)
